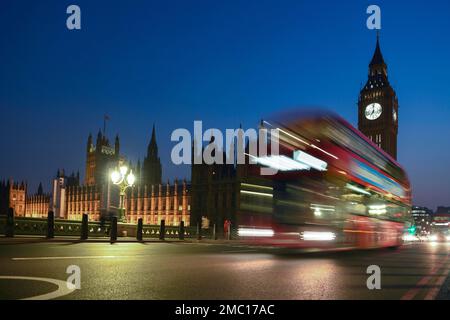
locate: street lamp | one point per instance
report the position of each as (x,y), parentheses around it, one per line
(123,179)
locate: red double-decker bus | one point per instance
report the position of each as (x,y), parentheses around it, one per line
(334,188)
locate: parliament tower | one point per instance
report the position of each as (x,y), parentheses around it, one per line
(99,158)
(378,106)
(151,170)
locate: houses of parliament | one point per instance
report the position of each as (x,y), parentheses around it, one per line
(148,199)
(214,190)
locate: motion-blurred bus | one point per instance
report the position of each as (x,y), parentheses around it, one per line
(334,189)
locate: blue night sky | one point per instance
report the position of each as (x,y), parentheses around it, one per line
(224,62)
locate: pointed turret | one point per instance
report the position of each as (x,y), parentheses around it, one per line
(377,65)
(40,190)
(89,143)
(138,172)
(152,146)
(99,138)
(151,170)
(377,56)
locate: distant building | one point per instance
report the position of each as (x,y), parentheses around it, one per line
(83,199)
(148,199)
(98,197)
(171,203)
(215,191)
(441,220)
(100,158)
(13,195)
(443,210)
(58,204)
(38,205)
(423,218)
(152,201)
(151,173)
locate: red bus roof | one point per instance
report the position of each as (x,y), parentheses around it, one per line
(317,114)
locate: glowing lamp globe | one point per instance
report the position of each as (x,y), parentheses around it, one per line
(123,170)
(115,176)
(131,179)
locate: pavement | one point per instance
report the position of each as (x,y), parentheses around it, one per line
(35,268)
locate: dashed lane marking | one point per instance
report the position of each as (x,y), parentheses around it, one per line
(67,258)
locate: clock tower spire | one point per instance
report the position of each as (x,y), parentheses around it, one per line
(378,106)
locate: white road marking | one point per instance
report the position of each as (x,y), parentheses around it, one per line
(61,291)
(74,257)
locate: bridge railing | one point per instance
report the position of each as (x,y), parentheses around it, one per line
(39,227)
(50,227)
(154,231)
(2,224)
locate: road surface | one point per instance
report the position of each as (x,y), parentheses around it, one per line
(219,271)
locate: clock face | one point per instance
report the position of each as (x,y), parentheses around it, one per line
(394,115)
(373,111)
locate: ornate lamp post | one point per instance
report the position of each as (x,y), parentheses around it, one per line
(123,179)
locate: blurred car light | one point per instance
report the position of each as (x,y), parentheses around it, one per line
(250,232)
(310,160)
(282,163)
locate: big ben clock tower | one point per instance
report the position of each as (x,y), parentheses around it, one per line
(378,106)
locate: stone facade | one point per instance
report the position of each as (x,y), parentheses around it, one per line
(83,199)
(13,195)
(38,205)
(148,199)
(171,203)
